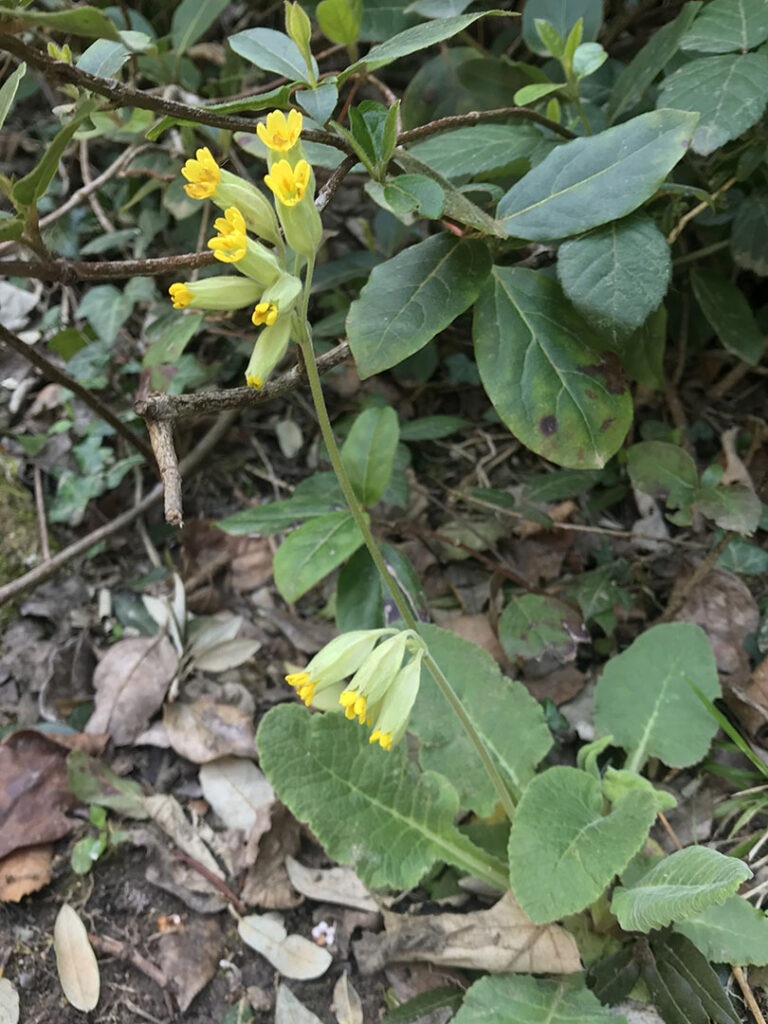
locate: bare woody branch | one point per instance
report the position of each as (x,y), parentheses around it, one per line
(72,271)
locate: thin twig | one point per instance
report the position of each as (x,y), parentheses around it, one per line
(32,355)
(215,881)
(45,548)
(749,997)
(72,271)
(688,217)
(85,170)
(113,947)
(161,439)
(444,124)
(670,831)
(58,561)
(175,408)
(330,188)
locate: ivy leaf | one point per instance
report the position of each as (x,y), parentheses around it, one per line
(499,709)
(650,61)
(734,932)
(619,273)
(369,807)
(542,367)
(644,700)
(412,297)
(725,26)
(728,314)
(499,999)
(679,886)
(729,93)
(313,550)
(563,851)
(659,468)
(591,181)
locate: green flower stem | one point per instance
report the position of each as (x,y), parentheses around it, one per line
(373,549)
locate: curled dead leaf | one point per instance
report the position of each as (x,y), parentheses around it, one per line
(204,731)
(330,885)
(24,871)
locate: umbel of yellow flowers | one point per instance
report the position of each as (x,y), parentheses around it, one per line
(267,285)
(382,690)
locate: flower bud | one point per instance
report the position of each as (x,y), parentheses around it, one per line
(299,28)
(270,348)
(221,293)
(390,719)
(277,300)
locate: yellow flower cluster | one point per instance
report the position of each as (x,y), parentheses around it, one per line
(265,284)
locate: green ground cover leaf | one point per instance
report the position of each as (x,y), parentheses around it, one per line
(272,51)
(499,999)
(593,180)
(728,313)
(313,550)
(643,698)
(684,986)
(534,624)
(725,26)
(734,932)
(411,297)
(749,233)
(650,61)
(729,93)
(542,367)
(735,507)
(659,468)
(563,851)
(368,452)
(478,149)
(508,719)
(678,887)
(369,807)
(619,273)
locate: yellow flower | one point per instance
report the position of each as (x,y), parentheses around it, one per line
(280,133)
(339,658)
(230,244)
(202,173)
(289,184)
(181,296)
(264,313)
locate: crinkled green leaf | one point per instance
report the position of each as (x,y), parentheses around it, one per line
(542,367)
(563,850)
(313,550)
(725,26)
(503,998)
(590,181)
(369,807)
(650,61)
(729,93)
(411,297)
(678,887)
(734,932)
(618,273)
(509,720)
(644,700)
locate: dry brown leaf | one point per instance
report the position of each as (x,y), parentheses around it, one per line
(410,980)
(173,875)
(25,871)
(167,812)
(500,939)
(236,790)
(476,628)
(346,1002)
(9,1003)
(726,610)
(34,791)
(292,955)
(75,960)
(204,730)
(131,681)
(338,885)
(189,958)
(267,883)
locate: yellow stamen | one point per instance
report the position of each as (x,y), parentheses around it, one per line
(202,173)
(280,133)
(252,381)
(264,313)
(289,184)
(359,708)
(384,739)
(180,294)
(230,244)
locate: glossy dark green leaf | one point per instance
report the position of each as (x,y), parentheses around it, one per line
(728,26)
(412,297)
(642,351)
(749,233)
(313,550)
(415,192)
(33,186)
(368,452)
(676,955)
(191,20)
(542,367)
(613,978)
(729,93)
(562,15)
(8,91)
(359,601)
(619,273)
(590,181)
(85,21)
(272,51)
(273,516)
(426,1002)
(650,61)
(729,314)
(483,147)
